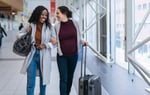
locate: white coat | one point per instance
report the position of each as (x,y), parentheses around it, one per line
(45,54)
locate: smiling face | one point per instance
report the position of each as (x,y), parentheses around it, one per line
(43,16)
(60,16)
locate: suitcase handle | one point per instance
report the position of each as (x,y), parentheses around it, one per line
(83,60)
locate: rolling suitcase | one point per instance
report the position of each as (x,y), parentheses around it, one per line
(88,84)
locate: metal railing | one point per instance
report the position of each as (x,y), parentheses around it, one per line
(103,58)
(143,71)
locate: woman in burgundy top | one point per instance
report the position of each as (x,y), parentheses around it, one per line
(68,37)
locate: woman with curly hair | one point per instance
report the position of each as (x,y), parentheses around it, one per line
(38,61)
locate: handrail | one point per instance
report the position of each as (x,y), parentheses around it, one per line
(141,26)
(143,71)
(139,45)
(99,55)
(140,69)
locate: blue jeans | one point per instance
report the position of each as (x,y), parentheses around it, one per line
(66,66)
(31,75)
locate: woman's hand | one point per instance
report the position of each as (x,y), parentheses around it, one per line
(42,46)
(84,43)
(53,41)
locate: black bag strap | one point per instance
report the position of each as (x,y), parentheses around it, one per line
(30,32)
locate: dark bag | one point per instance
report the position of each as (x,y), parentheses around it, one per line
(88,84)
(22,46)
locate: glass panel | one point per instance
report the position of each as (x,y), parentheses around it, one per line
(103,36)
(103,28)
(143,53)
(120,33)
(91,19)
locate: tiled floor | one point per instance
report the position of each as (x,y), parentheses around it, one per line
(14,83)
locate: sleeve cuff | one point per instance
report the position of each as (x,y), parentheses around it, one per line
(49,45)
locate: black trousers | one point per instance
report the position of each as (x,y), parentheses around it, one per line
(66,66)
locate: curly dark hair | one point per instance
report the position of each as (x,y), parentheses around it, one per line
(35,16)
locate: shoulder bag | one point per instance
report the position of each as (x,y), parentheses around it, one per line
(22,46)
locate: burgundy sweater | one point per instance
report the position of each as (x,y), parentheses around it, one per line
(68,38)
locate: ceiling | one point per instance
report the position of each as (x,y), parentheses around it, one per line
(10,5)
